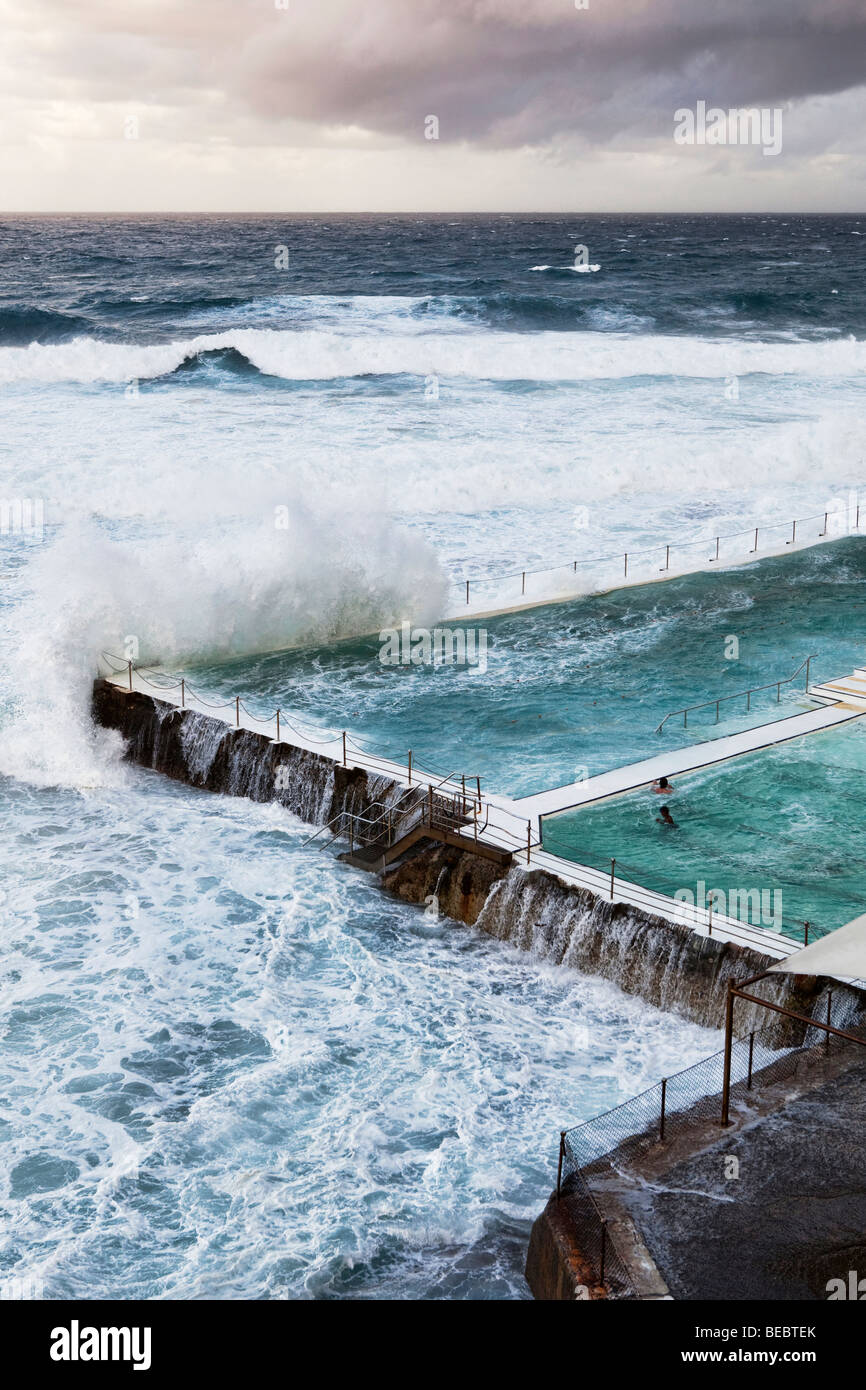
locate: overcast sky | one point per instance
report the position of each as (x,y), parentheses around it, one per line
(309,105)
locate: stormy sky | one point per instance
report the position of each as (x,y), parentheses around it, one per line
(315,105)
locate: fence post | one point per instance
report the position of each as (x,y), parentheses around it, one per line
(523,583)
(463,784)
(729,1040)
(182,693)
(559,1167)
(410,767)
(808,664)
(751,552)
(430,805)
(130,675)
(237,711)
(710,916)
(662,1120)
(793,534)
(344,748)
(751,1055)
(805,933)
(612,875)
(467,591)
(278,726)
(716,556)
(528,839)
(829,1010)
(823,533)
(667,563)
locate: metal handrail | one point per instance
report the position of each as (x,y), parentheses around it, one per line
(738,695)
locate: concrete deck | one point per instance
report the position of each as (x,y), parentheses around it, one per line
(679,761)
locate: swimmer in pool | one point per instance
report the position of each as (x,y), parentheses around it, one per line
(664,817)
(662,786)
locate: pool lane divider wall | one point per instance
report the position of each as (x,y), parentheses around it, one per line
(556,910)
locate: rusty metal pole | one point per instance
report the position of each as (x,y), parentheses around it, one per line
(664,1096)
(729,1042)
(559,1168)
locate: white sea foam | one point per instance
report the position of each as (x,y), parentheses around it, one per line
(244,588)
(316,355)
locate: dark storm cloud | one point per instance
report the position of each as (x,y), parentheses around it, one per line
(505,73)
(497,72)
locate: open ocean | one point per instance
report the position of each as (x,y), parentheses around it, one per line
(230,1066)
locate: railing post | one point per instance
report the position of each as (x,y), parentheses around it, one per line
(823,533)
(130,675)
(523,583)
(755,547)
(463,783)
(729,1040)
(805,933)
(751,1055)
(410,767)
(808,664)
(467,591)
(528,839)
(717,711)
(237,711)
(278,726)
(829,1010)
(667,563)
(182,693)
(389,827)
(793,534)
(778,691)
(710,916)
(351,833)
(625,571)
(662,1119)
(344,748)
(559,1167)
(430,805)
(716,556)
(612,876)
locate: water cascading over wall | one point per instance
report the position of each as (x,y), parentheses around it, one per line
(665,963)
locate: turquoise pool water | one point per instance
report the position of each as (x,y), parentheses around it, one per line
(787,823)
(578,688)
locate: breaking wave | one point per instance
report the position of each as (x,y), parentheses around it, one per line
(317,355)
